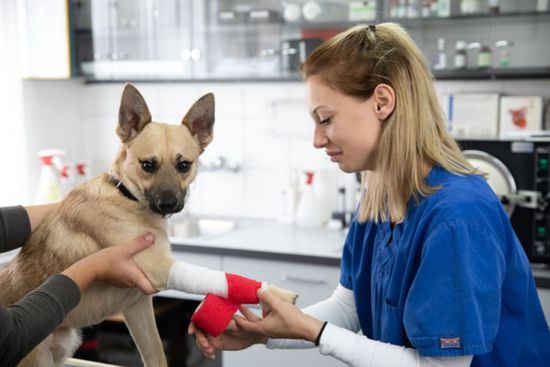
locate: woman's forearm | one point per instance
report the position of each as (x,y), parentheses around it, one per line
(37,213)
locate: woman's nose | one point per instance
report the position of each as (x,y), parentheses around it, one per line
(319,138)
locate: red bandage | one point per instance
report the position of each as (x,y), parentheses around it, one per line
(214,314)
(241,289)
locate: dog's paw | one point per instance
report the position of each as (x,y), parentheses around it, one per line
(281,293)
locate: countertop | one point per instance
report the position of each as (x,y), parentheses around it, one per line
(271,240)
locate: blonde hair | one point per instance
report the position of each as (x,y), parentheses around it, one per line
(354,62)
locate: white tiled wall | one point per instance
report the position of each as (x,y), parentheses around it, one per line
(262,127)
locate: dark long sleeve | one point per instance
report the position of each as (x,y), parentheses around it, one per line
(15,227)
(26,323)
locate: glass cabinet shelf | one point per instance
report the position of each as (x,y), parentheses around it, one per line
(255,41)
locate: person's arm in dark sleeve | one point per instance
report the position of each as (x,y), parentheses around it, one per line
(26,323)
(15,227)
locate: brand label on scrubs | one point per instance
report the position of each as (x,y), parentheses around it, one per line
(448,343)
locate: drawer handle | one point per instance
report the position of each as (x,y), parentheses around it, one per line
(291,278)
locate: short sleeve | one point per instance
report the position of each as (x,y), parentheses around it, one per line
(453,305)
(346,261)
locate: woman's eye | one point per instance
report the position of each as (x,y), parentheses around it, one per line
(148,166)
(325,121)
(184,166)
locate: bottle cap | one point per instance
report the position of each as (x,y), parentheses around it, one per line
(309,178)
(460,45)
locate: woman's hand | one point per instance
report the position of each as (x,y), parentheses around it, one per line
(233,338)
(283,321)
(113,265)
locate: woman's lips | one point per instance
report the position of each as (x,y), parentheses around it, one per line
(334,156)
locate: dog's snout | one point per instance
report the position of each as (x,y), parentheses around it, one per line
(167,203)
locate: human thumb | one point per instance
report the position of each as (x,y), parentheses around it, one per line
(266,297)
(140,243)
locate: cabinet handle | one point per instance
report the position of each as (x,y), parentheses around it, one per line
(292,278)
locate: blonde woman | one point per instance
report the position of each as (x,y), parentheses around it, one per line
(432,272)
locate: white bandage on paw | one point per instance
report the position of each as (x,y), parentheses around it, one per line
(195,279)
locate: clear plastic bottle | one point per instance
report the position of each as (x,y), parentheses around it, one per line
(440,61)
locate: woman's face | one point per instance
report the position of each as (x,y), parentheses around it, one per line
(347,128)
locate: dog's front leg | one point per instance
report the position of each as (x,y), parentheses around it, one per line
(140,319)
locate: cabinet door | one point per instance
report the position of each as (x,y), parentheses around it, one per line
(131,29)
(258,355)
(172,35)
(44,39)
(313,283)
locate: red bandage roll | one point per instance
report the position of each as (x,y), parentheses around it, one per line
(214,314)
(241,289)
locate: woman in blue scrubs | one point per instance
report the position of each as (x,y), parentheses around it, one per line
(432,273)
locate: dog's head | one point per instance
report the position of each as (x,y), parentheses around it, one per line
(158,161)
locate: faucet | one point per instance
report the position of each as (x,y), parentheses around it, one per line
(220,163)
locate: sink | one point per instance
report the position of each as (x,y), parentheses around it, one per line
(185,227)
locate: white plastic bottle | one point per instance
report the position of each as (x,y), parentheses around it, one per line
(309,212)
(288,199)
(49,186)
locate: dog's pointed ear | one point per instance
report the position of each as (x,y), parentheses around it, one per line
(133,114)
(200,119)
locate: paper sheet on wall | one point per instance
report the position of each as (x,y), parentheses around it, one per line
(44,39)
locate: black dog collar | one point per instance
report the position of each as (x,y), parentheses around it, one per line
(120,186)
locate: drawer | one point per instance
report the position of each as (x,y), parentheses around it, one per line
(313,283)
(259,355)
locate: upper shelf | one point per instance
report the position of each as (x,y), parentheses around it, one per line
(492,74)
(421,21)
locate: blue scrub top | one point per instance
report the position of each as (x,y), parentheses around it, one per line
(451,279)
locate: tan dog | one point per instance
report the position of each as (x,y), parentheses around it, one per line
(156,164)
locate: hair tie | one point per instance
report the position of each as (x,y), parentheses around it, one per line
(372,28)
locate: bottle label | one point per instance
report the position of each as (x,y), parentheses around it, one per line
(484,60)
(460,61)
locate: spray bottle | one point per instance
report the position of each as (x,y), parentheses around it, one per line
(49,185)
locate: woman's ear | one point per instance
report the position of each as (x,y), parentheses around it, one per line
(384,101)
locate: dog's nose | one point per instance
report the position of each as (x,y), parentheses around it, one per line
(167,202)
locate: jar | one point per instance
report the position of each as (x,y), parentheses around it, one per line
(485,57)
(460,55)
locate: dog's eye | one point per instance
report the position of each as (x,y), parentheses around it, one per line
(148,166)
(184,166)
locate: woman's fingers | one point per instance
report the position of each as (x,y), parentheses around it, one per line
(201,340)
(250,316)
(250,326)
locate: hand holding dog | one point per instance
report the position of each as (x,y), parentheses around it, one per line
(113,265)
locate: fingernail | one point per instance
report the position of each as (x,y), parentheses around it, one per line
(149,237)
